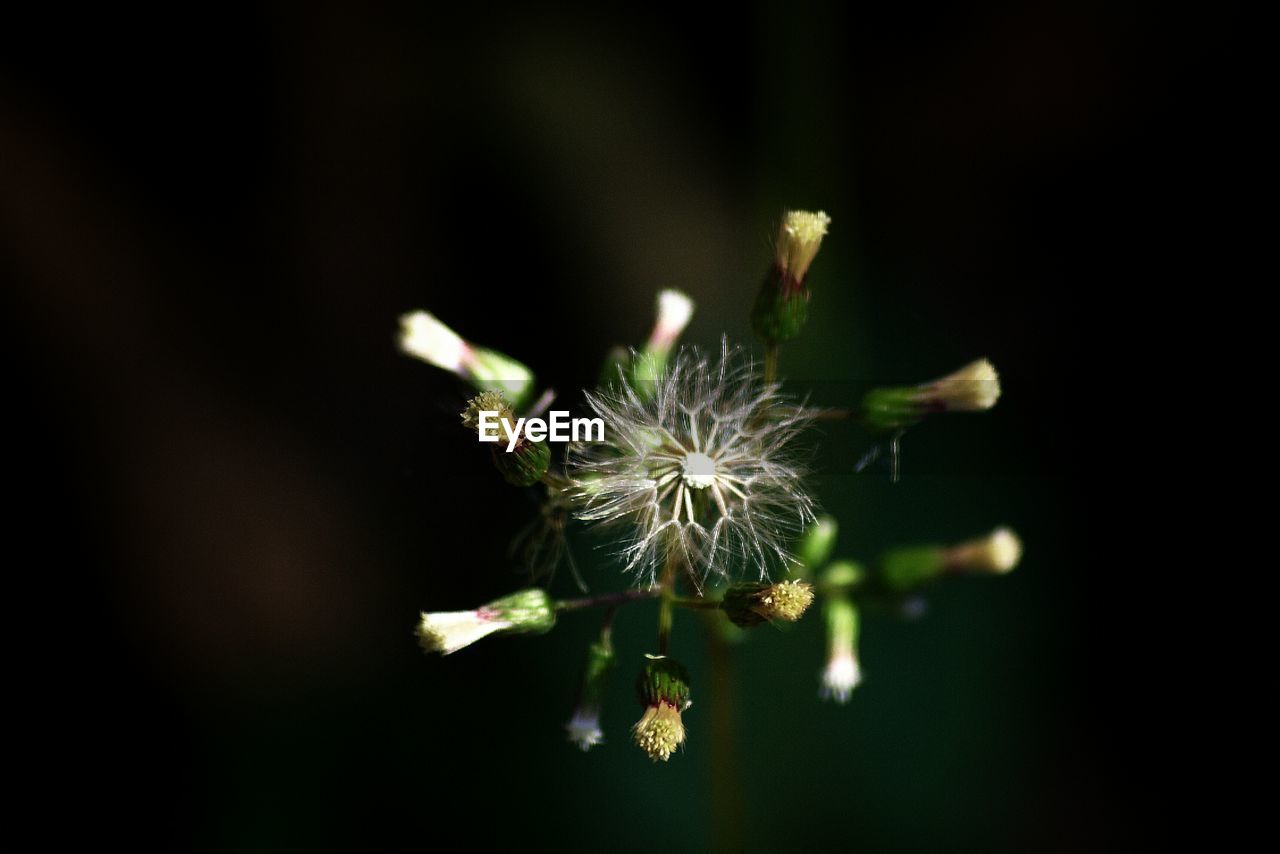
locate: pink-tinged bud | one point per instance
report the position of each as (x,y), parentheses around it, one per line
(998,552)
(799,239)
(422,335)
(664,690)
(449,631)
(525,612)
(674,312)
(425,337)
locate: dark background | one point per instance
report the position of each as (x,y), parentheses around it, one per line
(235,495)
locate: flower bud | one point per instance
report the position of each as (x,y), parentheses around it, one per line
(424,336)
(487,401)
(675,309)
(973,388)
(842,575)
(647,367)
(816,544)
(614,369)
(998,552)
(584,726)
(525,464)
(843,672)
(909,567)
(526,612)
(799,239)
(664,691)
(748,605)
(782,305)
(904,569)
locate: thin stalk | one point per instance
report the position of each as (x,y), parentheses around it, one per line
(726,801)
(612,600)
(696,603)
(771,363)
(556,482)
(606,626)
(666,615)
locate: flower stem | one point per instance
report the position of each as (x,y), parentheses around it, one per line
(612,600)
(695,602)
(555,482)
(666,613)
(726,803)
(771,363)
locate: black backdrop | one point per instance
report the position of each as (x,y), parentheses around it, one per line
(234,495)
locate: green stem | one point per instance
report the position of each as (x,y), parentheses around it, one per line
(695,602)
(771,363)
(666,615)
(726,801)
(612,600)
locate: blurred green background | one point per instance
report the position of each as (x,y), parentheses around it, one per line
(211,222)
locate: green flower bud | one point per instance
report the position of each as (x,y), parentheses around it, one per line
(664,690)
(584,725)
(973,388)
(816,544)
(748,605)
(891,408)
(527,612)
(614,367)
(674,312)
(663,680)
(491,370)
(998,553)
(842,575)
(780,310)
(525,464)
(782,305)
(843,672)
(905,568)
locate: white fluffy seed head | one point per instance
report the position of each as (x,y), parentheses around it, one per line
(705,470)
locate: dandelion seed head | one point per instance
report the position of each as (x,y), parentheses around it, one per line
(704,468)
